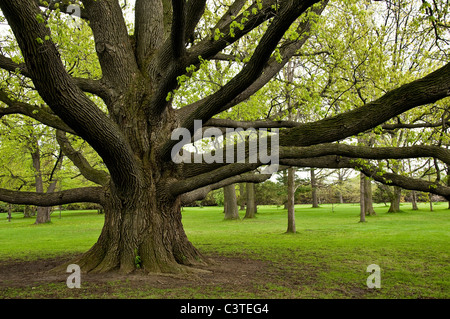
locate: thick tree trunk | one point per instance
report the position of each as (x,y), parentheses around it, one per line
(144,232)
(43,215)
(315,201)
(395,200)
(251,204)
(291,201)
(230,202)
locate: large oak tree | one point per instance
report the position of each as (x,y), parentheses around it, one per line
(143,189)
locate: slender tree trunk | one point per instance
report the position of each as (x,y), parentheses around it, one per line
(9,212)
(448,182)
(414,200)
(43,213)
(362,204)
(251,204)
(230,202)
(315,201)
(341,198)
(368,203)
(340,182)
(242,196)
(285,182)
(291,201)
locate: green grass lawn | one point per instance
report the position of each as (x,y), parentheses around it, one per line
(327,257)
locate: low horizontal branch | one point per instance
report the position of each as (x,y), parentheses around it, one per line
(201,193)
(429,89)
(76,195)
(197,165)
(395,126)
(209,178)
(391,179)
(367,152)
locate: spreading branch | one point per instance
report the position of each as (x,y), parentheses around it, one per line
(366,152)
(212,105)
(197,175)
(61,93)
(194,12)
(77,195)
(201,193)
(96,87)
(391,179)
(207,48)
(35,112)
(149,21)
(271,68)
(178,28)
(65,6)
(112,43)
(429,89)
(94,175)
(212,177)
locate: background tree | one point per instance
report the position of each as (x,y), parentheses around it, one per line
(230,202)
(251,208)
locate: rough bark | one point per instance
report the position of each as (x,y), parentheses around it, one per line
(142,233)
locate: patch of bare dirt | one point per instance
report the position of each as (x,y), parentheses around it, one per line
(227,277)
(32,279)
